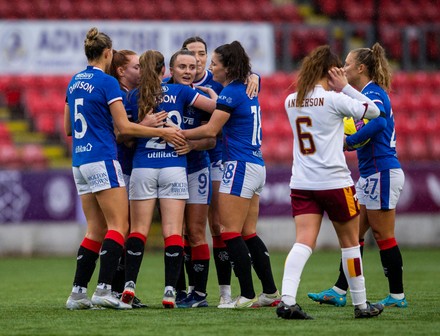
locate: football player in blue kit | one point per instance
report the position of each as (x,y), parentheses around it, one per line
(159,172)
(93,108)
(239,119)
(183,69)
(125,68)
(204,78)
(381,176)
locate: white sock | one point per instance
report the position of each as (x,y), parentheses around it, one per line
(225,290)
(352,265)
(293,267)
(339,291)
(400,296)
(79,290)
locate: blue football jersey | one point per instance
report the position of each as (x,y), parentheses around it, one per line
(125,154)
(89,95)
(380,152)
(194,117)
(154,152)
(215,154)
(242,133)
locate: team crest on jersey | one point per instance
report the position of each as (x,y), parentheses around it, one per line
(83,75)
(165,88)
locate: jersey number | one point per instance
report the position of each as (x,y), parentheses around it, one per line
(306,143)
(256,131)
(158,143)
(79,117)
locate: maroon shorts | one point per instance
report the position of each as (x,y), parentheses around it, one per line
(340,205)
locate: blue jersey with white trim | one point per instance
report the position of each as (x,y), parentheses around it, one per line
(380,152)
(215,154)
(125,154)
(242,133)
(89,95)
(194,117)
(154,152)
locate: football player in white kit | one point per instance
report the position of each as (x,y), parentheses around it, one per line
(382,177)
(321,181)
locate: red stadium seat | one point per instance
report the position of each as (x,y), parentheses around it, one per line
(33,157)
(10,157)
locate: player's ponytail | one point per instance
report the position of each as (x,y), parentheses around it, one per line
(377,65)
(150,88)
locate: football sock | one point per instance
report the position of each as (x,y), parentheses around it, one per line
(222,262)
(111,251)
(392,264)
(352,265)
(181,281)
(261,262)
(239,254)
(187,259)
(342,283)
(200,261)
(173,257)
(134,247)
(293,267)
(88,254)
(119,278)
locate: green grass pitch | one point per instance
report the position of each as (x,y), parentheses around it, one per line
(34,291)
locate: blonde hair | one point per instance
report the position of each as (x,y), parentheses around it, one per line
(314,67)
(377,65)
(150,88)
(95,43)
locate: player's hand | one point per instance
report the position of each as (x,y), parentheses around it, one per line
(154,119)
(183,149)
(252,85)
(337,79)
(173,135)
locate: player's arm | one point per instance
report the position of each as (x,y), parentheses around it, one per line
(338,82)
(205,104)
(211,129)
(67,121)
(125,127)
(368,131)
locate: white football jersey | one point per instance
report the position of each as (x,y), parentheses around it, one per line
(318,130)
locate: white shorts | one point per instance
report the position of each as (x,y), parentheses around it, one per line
(216,170)
(127,182)
(242,179)
(381,191)
(97,176)
(149,183)
(199,184)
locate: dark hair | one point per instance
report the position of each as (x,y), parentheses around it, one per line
(375,60)
(194,39)
(314,67)
(95,43)
(234,58)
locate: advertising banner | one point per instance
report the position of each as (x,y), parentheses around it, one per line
(57,47)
